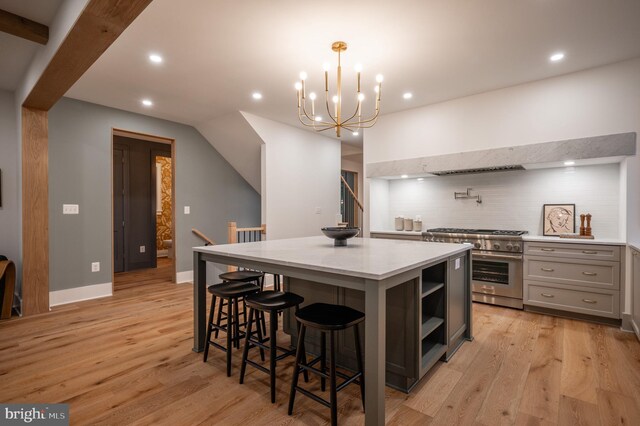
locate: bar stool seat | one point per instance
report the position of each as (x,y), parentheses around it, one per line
(328,319)
(325,316)
(244,276)
(271,302)
(230,292)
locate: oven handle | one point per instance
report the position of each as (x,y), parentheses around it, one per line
(496,256)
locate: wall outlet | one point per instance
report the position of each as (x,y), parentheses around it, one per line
(318,210)
(95,266)
(70,209)
(143,249)
(187,210)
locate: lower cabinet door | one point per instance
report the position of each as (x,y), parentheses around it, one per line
(601,303)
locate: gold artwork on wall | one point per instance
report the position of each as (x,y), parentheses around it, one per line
(163,217)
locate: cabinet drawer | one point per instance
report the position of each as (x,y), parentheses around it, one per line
(575,251)
(604,304)
(573,272)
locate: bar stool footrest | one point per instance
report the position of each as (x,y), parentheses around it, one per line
(313,396)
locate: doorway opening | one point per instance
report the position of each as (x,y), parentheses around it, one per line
(143,201)
(349,204)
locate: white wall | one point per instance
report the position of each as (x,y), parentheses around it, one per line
(599,101)
(301,173)
(510,200)
(10,211)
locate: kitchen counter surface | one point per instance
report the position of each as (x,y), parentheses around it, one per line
(636,247)
(398,232)
(607,241)
(368,258)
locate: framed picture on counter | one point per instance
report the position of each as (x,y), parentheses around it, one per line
(558,219)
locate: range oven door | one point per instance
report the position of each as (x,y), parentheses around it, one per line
(497,274)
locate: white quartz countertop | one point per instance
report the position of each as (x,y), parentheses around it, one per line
(371,258)
(397,232)
(596,240)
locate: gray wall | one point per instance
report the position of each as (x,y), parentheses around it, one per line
(80,173)
(9,164)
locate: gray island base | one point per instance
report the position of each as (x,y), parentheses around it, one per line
(416,297)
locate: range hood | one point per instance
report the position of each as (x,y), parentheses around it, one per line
(478,170)
(520,157)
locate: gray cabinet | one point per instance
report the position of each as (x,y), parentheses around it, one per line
(427,319)
(578,278)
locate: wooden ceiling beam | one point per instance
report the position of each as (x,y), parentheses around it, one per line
(23,27)
(98,26)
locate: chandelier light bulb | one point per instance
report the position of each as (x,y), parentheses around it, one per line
(361,97)
(379,78)
(355,133)
(312,96)
(298,85)
(326,66)
(318,118)
(303,76)
(335,99)
(376,89)
(358,67)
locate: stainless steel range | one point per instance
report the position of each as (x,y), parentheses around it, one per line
(497,262)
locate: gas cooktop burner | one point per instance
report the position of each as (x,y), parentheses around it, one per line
(476,231)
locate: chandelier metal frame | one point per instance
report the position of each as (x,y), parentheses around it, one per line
(355,121)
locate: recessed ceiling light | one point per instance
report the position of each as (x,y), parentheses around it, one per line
(404,176)
(156,59)
(147,102)
(355,133)
(257,95)
(569,163)
(407,95)
(556,57)
(420,179)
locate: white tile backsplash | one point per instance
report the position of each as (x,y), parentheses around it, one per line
(510,200)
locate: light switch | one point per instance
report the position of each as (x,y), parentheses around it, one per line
(457,265)
(95,266)
(143,249)
(187,209)
(70,209)
(318,210)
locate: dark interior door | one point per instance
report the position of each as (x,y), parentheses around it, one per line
(120,165)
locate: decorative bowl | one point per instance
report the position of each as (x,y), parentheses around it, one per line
(340,234)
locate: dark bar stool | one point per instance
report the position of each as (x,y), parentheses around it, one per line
(244,276)
(271,302)
(327,319)
(229,292)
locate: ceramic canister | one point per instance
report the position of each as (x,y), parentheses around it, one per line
(399,223)
(408,224)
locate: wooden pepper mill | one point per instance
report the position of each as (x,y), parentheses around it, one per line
(587,230)
(582,228)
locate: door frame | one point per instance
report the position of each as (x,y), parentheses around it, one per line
(153,138)
(126,216)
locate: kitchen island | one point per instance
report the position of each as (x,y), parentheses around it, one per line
(433,297)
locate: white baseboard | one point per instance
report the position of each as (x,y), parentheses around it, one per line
(184,277)
(636,329)
(78,294)
(626,323)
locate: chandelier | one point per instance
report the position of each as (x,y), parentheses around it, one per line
(336,119)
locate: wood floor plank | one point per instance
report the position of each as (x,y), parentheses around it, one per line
(616,409)
(578,379)
(503,399)
(431,393)
(409,417)
(576,412)
(541,395)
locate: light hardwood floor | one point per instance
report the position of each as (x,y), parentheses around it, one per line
(160,274)
(127,359)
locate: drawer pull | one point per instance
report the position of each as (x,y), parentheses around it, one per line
(547,269)
(589,252)
(547,249)
(546,295)
(591,274)
(589,301)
